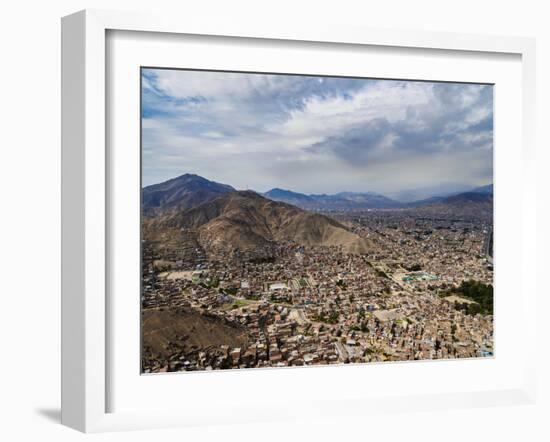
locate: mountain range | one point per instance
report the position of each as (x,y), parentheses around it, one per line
(483,194)
(338,201)
(466,205)
(222,220)
(230,221)
(189,190)
(366,200)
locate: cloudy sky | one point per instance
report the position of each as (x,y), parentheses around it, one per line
(315,134)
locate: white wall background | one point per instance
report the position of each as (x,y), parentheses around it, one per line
(30,214)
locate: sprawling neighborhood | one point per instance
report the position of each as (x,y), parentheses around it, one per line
(308,305)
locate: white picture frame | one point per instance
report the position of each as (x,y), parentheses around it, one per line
(86,202)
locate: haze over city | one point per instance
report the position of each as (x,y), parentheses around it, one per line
(316,134)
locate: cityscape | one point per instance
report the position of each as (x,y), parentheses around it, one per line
(295,221)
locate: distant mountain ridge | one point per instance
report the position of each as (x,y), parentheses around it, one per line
(338,201)
(358,200)
(469,197)
(443,199)
(465,205)
(191,211)
(416,196)
(189,190)
(180,193)
(290,197)
(483,189)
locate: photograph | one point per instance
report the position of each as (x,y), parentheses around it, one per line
(304,220)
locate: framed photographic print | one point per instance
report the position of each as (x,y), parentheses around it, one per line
(327,221)
(239,271)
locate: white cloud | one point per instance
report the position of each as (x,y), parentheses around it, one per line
(324,117)
(183,84)
(314,134)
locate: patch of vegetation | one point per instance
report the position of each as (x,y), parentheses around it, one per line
(373,350)
(238,303)
(331,318)
(362,327)
(210,283)
(340,283)
(263,260)
(232,291)
(476,291)
(414,268)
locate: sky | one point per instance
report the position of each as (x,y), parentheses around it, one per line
(315,134)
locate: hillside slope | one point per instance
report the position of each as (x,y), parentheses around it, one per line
(246,221)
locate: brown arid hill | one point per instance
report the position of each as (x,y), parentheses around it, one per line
(248,222)
(169,331)
(180,193)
